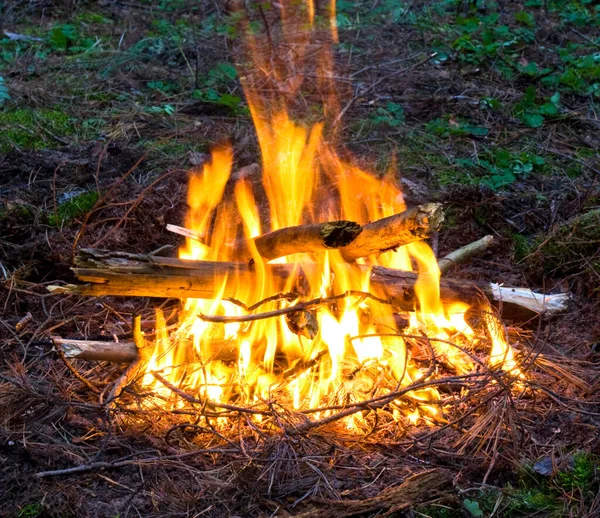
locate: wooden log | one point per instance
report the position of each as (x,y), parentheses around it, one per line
(123,274)
(395,231)
(95,350)
(125,352)
(314,238)
(353,240)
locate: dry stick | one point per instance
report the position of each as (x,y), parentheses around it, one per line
(137,366)
(301,306)
(353,240)
(464,254)
(92,350)
(129,462)
(85,381)
(125,352)
(205,402)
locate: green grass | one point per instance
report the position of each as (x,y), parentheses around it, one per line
(31,129)
(73,208)
(532,494)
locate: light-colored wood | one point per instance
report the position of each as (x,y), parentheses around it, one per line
(125,352)
(464,254)
(95,350)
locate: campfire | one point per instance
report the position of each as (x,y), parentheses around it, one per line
(306,282)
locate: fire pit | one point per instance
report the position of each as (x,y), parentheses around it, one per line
(309,284)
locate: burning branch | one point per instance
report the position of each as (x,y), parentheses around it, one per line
(395,231)
(314,238)
(125,352)
(124,274)
(353,240)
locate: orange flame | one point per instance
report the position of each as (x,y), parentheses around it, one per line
(345,358)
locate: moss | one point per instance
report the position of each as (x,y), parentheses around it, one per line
(73,208)
(33,129)
(571,248)
(521,246)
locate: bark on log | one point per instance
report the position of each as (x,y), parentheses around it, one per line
(353,240)
(394,231)
(314,238)
(123,274)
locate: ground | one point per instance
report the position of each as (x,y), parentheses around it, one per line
(488,107)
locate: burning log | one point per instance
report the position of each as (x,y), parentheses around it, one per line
(314,238)
(353,240)
(124,274)
(395,231)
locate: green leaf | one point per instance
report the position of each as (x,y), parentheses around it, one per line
(473,507)
(549,109)
(4,95)
(525,18)
(533,120)
(61,36)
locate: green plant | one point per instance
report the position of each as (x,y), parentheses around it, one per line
(31,511)
(66,37)
(583,475)
(472,506)
(34,129)
(499,167)
(217,79)
(533,112)
(4,95)
(392,115)
(450,126)
(72,208)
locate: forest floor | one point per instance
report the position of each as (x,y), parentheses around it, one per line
(490,108)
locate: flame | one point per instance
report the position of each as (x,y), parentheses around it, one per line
(338,352)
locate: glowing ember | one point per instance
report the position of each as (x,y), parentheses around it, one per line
(332,353)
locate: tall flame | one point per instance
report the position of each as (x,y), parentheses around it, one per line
(340,351)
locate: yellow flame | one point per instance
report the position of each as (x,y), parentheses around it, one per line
(330,354)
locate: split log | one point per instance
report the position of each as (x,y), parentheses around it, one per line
(125,352)
(353,240)
(123,274)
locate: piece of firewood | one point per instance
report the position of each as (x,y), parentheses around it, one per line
(125,352)
(464,254)
(124,274)
(353,240)
(395,231)
(138,366)
(314,238)
(96,350)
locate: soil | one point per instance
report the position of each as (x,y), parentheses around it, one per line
(136,160)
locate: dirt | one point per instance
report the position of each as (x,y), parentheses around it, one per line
(135,162)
